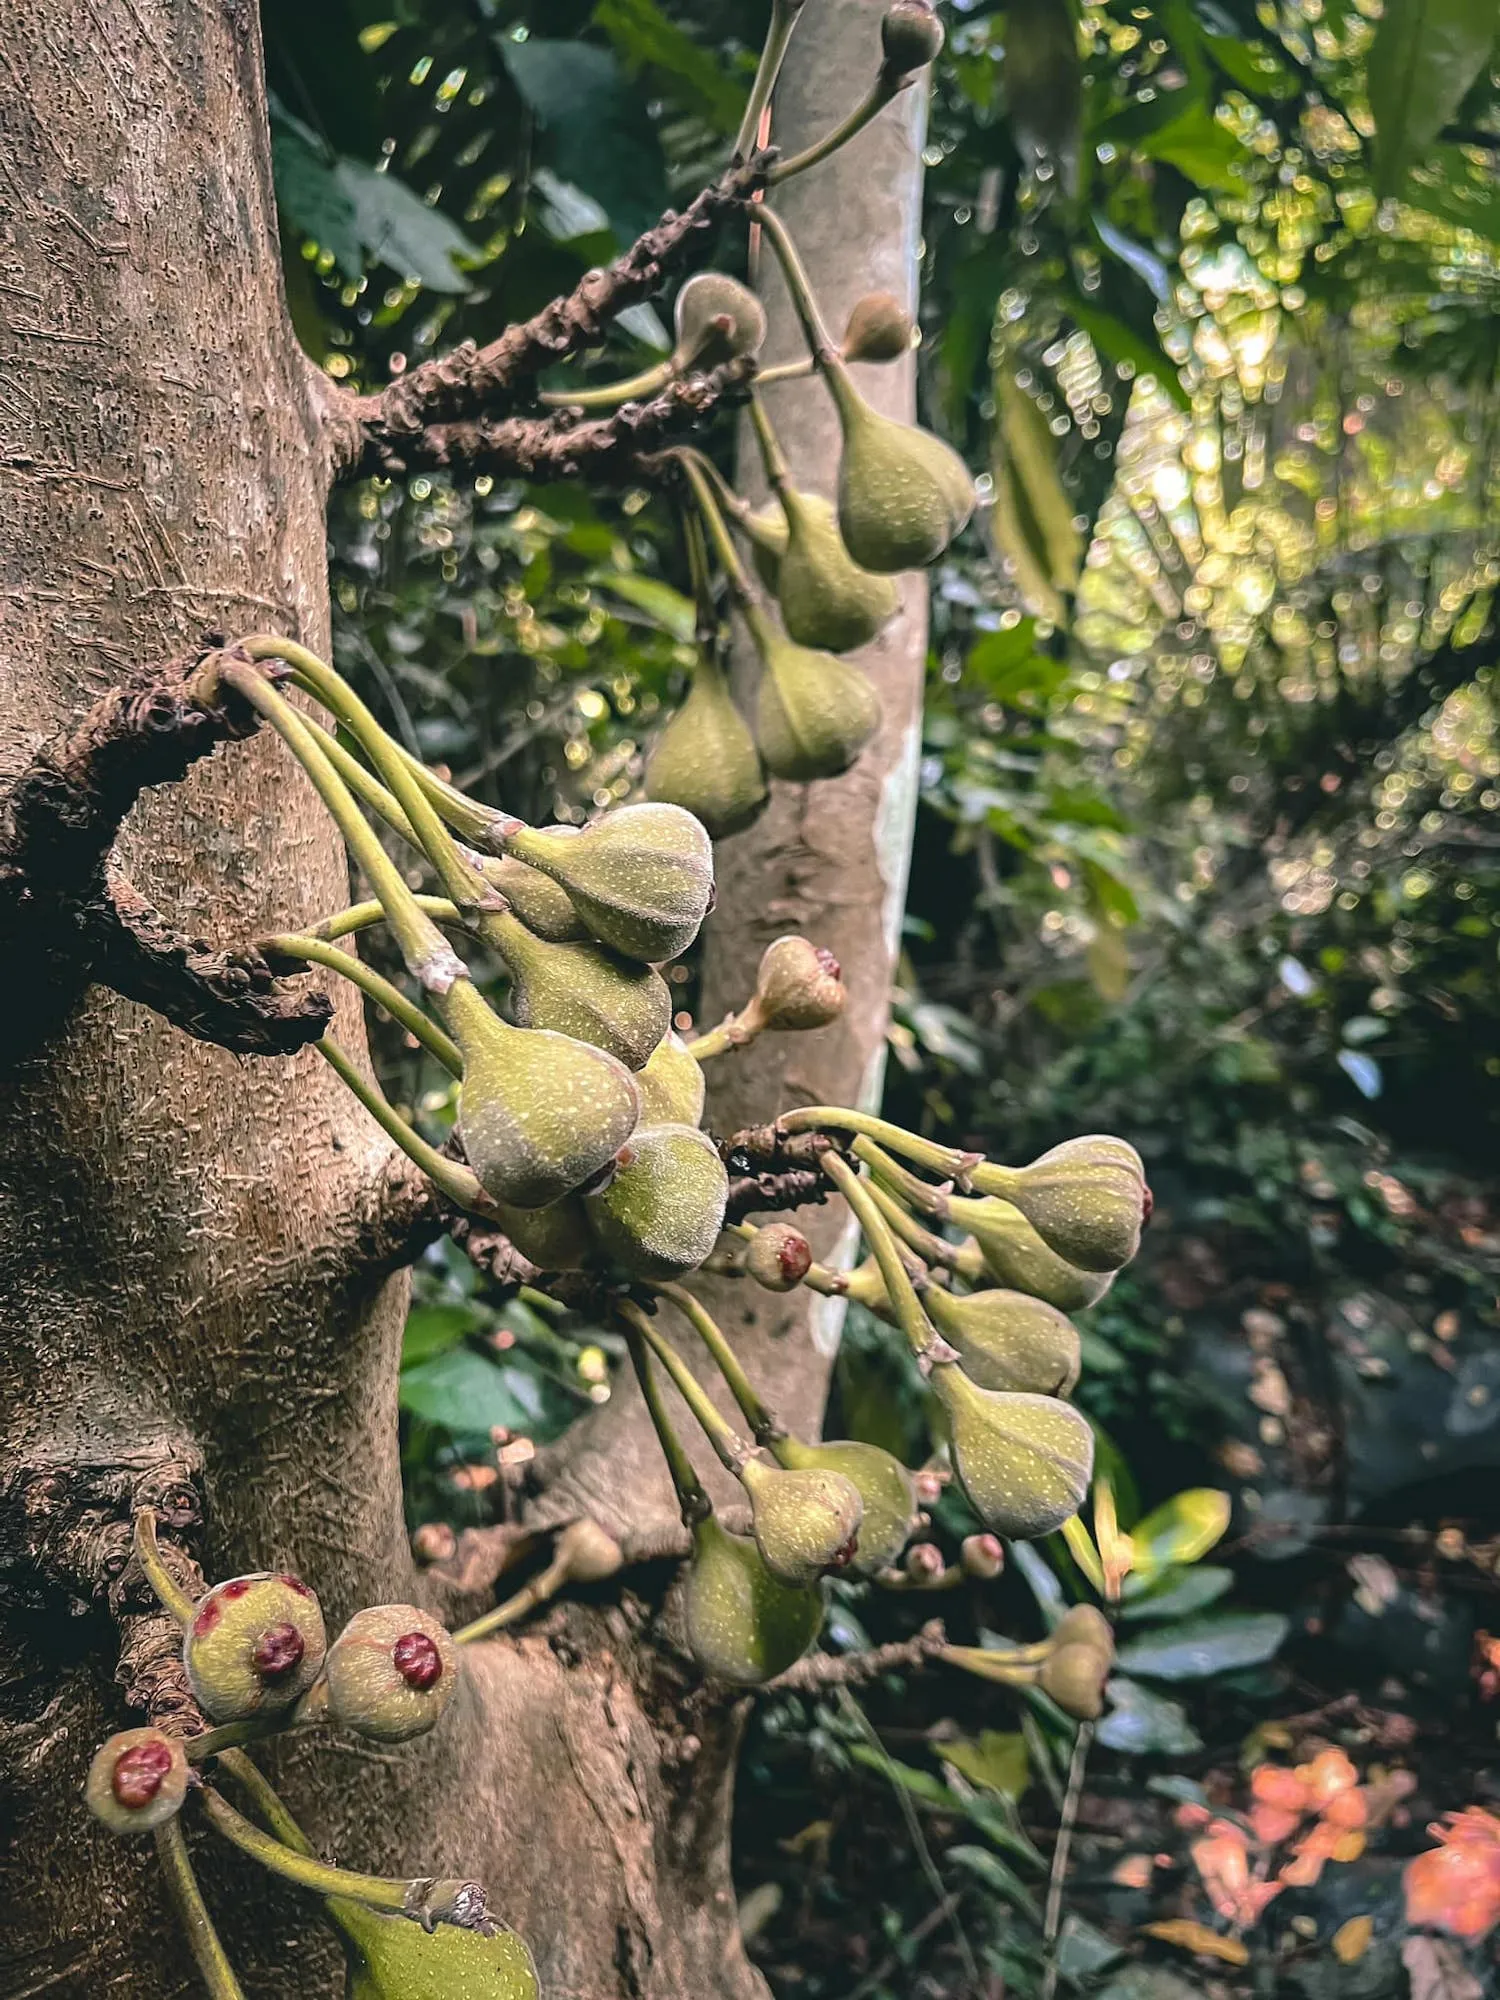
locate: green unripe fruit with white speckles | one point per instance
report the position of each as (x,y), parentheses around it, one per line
(1016,1256)
(744,1625)
(584,990)
(1087,1199)
(538,1113)
(826,599)
(555,1238)
(716,319)
(885,1488)
(879,328)
(672,1085)
(392,1958)
(661,1214)
(641,878)
(705,760)
(542,906)
(1024,1461)
(903,494)
(255,1646)
(805,1522)
(1007,1340)
(814,712)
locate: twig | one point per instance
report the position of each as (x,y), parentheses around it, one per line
(1057,1879)
(825,1670)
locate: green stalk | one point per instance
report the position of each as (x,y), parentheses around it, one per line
(610,395)
(365,785)
(692,1499)
(730,1034)
(783,19)
(187,1899)
(771,455)
(377,1892)
(450,1177)
(870,106)
(169,1591)
(361,916)
(429,957)
(945,1160)
(265,1800)
(540,1590)
(907,1307)
(230,1735)
(932,1249)
(375,988)
(329,687)
(761,1421)
(784,371)
(744,590)
(731,1448)
(820,342)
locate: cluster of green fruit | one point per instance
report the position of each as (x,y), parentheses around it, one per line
(987,1319)
(258,1661)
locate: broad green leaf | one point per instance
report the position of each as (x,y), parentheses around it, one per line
(468,1393)
(1140,1723)
(311,198)
(1425,56)
(1181,1530)
(1201,149)
(1174,1593)
(1029,452)
(397,228)
(995,1759)
(642,33)
(1217,1644)
(663,605)
(599,134)
(432,1330)
(992,1871)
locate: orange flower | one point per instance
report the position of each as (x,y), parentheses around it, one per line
(1321,1844)
(1456,1886)
(1275,1785)
(1349,1810)
(1329,1773)
(1271,1824)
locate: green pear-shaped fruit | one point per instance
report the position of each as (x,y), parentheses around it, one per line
(826,599)
(255,1646)
(716,319)
(879,328)
(1087,1199)
(885,1488)
(798,985)
(641,878)
(805,1521)
(1024,1461)
(392,1958)
(538,1113)
(903,494)
(744,1625)
(584,990)
(661,1214)
(672,1085)
(1008,1340)
(767,531)
(1016,1256)
(555,1238)
(545,908)
(1084,1625)
(911,36)
(814,712)
(705,760)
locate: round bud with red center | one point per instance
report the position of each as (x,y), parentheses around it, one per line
(924,1563)
(255,1646)
(137,1780)
(799,986)
(392,1672)
(779,1257)
(982,1556)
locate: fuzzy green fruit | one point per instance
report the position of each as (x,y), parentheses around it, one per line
(540,903)
(555,1238)
(885,1489)
(1016,1256)
(911,36)
(1024,1461)
(805,1521)
(641,878)
(392,1958)
(1007,1340)
(538,1113)
(716,319)
(767,531)
(744,1625)
(584,990)
(798,985)
(138,1780)
(672,1085)
(255,1646)
(392,1673)
(814,712)
(903,494)
(826,599)
(705,760)
(661,1214)
(879,328)
(1087,1199)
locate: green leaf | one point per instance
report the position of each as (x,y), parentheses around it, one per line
(1181,1530)
(1174,1593)
(1202,1646)
(1448,184)
(432,1330)
(663,605)
(1141,1723)
(994,1759)
(469,1394)
(311,198)
(599,133)
(994,1874)
(397,228)
(641,33)
(1201,149)
(1425,56)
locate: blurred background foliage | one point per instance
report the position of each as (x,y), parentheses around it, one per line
(1206,852)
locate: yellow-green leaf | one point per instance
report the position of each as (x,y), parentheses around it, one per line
(995,1760)
(1182,1530)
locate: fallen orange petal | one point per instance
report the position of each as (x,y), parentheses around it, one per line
(1198,1937)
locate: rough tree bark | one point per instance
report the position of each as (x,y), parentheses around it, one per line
(186,1290)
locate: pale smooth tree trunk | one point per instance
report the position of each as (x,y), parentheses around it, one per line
(186,1285)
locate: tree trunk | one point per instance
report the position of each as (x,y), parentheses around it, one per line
(185,1277)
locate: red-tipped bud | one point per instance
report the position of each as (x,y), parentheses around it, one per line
(924,1563)
(779,1257)
(392,1672)
(137,1779)
(982,1556)
(256,1644)
(799,985)
(911,36)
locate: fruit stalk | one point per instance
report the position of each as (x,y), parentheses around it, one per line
(731,1448)
(692,1499)
(171,1595)
(187,1899)
(450,1177)
(945,1160)
(374,987)
(784,15)
(913,1321)
(763,1424)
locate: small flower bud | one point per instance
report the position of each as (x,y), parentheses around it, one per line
(779,1257)
(879,329)
(924,1563)
(911,36)
(256,1644)
(137,1779)
(434,1542)
(983,1556)
(391,1673)
(1074,1676)
(591,1553)
(798,986)
(929,1487)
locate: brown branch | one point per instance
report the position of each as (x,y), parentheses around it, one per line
(472,380)
(69,919)
(824,1670)
(563,445)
